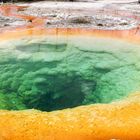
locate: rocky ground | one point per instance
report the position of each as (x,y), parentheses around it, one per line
(11,21)
(101,14)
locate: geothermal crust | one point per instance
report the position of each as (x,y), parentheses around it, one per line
(118,120)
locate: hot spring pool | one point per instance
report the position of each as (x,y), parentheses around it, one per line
(53,72)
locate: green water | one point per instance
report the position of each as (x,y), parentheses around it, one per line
(56,73)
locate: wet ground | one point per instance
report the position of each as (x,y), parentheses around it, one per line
(11,21)
(110,15)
